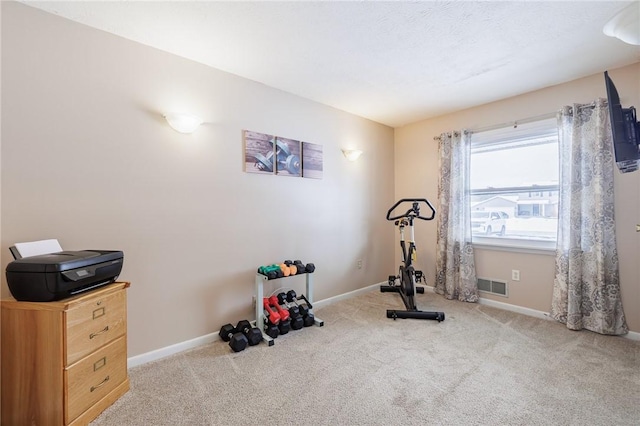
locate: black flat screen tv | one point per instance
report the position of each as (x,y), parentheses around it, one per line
(625,130)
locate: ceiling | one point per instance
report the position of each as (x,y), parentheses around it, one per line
(392,62)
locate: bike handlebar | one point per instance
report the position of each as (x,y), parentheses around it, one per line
(414,211)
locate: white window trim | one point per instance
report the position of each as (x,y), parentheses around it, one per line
(536,129)
(515,245)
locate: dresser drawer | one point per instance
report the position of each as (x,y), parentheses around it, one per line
(93,323)
(94,377)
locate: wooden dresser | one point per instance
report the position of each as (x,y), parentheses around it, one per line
(64,362)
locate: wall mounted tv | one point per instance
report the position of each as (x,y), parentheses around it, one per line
(625,130)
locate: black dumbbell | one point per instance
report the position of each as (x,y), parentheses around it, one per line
(253,334)
(305,311)
(237,341)
(296,319)
(271,320)
(293,309)
(300,266)
(271,330)
(285,326)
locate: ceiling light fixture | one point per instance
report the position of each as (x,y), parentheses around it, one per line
(352,154)
(183,123)
(625,25)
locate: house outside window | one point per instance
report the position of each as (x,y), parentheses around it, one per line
(515,186)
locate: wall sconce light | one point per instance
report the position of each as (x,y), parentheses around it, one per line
(352,154)
(183,123)
(625,25)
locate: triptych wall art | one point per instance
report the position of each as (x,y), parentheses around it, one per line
(269,154)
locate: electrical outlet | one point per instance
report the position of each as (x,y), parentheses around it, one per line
(359,263)
(515,275)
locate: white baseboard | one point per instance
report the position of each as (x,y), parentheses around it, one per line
(334,299)
(514,308)
(632,335)
(144,358)
(212,337)
(530,312)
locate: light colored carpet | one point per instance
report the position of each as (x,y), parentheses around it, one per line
(481,366)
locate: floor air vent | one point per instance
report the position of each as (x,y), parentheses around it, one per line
(492,286)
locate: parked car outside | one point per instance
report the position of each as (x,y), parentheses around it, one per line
(488,222)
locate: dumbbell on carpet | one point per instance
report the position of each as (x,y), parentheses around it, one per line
(237,341)
(253,334)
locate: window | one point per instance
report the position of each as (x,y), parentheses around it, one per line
(514,186)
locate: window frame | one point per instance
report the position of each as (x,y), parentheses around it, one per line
(509,135)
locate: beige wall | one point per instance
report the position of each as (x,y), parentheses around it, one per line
(416,174)
(88,159)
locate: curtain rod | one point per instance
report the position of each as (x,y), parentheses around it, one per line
(437,138)
(507,124)
(513,124)
(546,116)
(522,121)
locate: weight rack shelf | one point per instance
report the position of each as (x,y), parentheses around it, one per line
(260,280)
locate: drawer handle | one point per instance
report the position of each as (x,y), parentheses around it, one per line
(104,330)
(99,363)
(106,379)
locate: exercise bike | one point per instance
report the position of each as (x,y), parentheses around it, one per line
(405,282)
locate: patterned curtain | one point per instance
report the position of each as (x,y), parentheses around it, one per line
(455,265)
(586,291)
